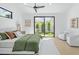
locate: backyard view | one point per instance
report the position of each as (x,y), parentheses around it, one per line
(44,26)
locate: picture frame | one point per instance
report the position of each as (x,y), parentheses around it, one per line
(75,22)
(27,23)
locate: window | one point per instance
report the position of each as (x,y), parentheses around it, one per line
(5,13)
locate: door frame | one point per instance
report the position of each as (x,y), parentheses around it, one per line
(44,22)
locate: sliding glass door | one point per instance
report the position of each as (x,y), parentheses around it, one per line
(49,26)
(39,25)
(44,25)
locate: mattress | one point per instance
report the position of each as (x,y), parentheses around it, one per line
(7,43)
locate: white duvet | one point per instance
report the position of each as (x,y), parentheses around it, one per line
(8,43)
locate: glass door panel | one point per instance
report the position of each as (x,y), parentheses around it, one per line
(49,26)
(39,25)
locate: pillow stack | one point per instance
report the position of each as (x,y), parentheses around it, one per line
(7,35)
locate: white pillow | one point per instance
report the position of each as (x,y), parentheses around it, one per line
(18,34)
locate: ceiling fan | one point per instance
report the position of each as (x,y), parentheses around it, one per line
(35,7)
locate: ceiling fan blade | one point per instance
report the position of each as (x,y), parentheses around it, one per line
(40,6)
(35,10)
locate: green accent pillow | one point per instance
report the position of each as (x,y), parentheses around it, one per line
(0,37)
(4,36)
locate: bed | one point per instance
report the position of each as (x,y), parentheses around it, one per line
(18,45)
(27,44)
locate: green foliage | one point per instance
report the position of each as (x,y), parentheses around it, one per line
(42,27)
(37,26)
(49,26)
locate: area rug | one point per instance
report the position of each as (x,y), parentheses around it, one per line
(47,47)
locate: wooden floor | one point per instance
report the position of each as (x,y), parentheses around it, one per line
(65,49)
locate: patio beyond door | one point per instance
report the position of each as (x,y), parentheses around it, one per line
(44,25)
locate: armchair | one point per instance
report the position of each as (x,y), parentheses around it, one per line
(73,40)
(63,35)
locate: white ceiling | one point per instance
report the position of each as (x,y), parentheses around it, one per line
(53,8)
(49,8)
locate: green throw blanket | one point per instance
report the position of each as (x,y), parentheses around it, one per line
(28,42)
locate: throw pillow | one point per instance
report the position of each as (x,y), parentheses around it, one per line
(11,35)
(4,36)
(0,37)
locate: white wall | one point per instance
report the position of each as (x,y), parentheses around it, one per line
(60,22)
(7,25)
(17,17)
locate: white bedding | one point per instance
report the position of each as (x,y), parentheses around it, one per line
(8,43)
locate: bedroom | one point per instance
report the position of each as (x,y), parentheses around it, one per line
(22,21)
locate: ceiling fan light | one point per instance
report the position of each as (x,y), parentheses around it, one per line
(50,3)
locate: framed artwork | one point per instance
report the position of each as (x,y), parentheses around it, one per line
(27,23)
(75,23)
(5,13)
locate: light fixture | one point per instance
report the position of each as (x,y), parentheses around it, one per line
(35,7)
(50,3)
